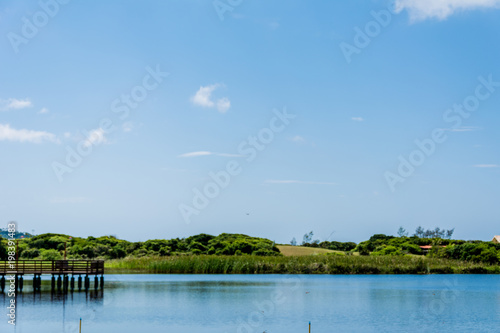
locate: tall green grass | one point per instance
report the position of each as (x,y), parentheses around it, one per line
(208,264)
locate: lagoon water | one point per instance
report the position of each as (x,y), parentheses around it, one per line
(266,303)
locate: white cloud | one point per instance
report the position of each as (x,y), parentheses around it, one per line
(487,166)
(297,182)
(440,9)
(207,153)
(95,137)
(357,119)
(203,98)
(67,135)
(13,103)
(43,110)
(297,139)
(8,133)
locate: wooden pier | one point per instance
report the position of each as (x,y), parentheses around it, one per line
(62,268)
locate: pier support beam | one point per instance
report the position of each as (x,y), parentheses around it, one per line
(87,283)
(79,283)
(2,283)
(72,283)
(102,282)
(53,283)
(21,283)
(96,282)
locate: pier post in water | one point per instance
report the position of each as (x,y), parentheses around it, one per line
(96,282)
(59,283)
(102,282)
(79,283)
(72,283)
(2,283)
(53,283)
(38,282)
(65,283)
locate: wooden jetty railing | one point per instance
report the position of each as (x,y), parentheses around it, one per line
(60,267)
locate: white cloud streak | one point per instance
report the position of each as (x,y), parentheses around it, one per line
(207,153)
(463,129)
(14,104)
(420,10)
(357,119)
(8,133)
(297,182)
(487,166)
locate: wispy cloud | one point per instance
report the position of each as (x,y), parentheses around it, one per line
(8,133)
(128,126)
(207,153)
(95,137)
(73,200)
(14,103)
(43,111)
(463,129)
(203,98)
(223,105)
(297,182)
(357,119)
(487,166)
(298,139)
(420,10)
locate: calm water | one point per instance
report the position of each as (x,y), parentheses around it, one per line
(267,303)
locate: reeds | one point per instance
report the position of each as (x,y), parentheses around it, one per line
(322,264)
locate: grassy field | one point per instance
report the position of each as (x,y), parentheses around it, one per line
(288,250)
(319,264)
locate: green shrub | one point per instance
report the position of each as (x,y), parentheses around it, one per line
(388,251)
(50,254)
(31,253)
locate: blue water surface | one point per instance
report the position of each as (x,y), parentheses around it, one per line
(265,303)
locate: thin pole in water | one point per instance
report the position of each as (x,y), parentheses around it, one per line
(309,327)
(80,325)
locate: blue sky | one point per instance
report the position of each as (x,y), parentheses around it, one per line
(115,116)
